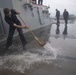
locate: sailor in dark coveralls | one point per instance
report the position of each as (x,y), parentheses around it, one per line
(14,23)
(66,16)
(57,15)
(40,2)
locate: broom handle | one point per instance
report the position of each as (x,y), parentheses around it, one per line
(28,27)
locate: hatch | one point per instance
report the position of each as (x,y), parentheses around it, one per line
(1,24)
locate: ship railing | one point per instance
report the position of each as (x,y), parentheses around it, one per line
(44,7)
(31,4)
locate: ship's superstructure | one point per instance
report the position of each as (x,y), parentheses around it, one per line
(36,16)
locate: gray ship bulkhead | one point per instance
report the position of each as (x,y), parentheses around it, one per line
(35,16)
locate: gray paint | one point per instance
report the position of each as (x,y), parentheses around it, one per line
(31,17)
(6,3)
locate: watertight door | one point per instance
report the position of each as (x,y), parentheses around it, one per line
(1,25)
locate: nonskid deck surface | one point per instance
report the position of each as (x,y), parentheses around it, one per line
(57,57)
(51,58)
(20,60)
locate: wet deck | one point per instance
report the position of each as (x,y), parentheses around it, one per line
(57,57)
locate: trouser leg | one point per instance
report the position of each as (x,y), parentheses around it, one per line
(23,40)
(10,36)
(66,21)
(58,20)
(38,1)
(41,2)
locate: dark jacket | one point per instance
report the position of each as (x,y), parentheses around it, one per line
(13,19)
(57,14)
(65,15)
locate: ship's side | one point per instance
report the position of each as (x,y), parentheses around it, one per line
(35,16)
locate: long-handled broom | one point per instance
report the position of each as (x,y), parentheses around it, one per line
(37,39)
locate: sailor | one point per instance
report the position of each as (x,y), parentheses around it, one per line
(57,15)
(65,16)
(14,23)
(40,2)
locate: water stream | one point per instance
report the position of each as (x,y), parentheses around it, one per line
(21,60)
